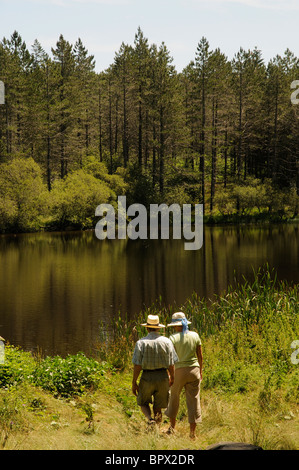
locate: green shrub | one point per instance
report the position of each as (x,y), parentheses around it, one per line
(23,196)
(75,198)
(68,376)
(234,379)
(18,366)
(11,416)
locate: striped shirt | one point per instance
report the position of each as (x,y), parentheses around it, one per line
(154,352)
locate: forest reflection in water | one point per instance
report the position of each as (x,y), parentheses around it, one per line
(57,288)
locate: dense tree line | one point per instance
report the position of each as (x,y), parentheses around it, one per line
(222,132)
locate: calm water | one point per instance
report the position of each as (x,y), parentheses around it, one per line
(57,288)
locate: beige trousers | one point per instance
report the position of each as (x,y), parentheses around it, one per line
(189,378)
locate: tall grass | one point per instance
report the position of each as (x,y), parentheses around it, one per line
(253,322)
(246,335)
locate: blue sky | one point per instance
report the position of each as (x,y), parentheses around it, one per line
(270,25)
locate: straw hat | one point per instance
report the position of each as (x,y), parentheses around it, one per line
(177,319)
(153,322)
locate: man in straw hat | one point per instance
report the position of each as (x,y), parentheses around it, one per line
(188,372)
(155,356)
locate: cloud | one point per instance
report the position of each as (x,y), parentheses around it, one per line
(289,5)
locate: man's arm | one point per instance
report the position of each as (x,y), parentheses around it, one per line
(136,372)
(200,359)
(171,375)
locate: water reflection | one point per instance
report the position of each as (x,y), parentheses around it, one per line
(56,288)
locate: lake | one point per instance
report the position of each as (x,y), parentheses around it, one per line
(57,289)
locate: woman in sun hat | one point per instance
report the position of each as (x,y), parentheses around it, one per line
(155,356)
(188,372)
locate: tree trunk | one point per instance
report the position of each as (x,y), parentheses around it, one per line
(214,153)
(100,127)
(140,131)
(239,158)
(162,150)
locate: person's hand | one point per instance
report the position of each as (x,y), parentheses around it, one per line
(171,380)
(135,388)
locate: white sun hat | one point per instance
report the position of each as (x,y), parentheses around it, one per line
(177,319)
(153,322)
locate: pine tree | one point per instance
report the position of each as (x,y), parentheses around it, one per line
(141,67)
(84,84)
(64,59)
(220,71)
(16,67)
(202,57)
(123,72)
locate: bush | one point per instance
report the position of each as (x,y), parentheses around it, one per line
(18,366)
(62,377)
(70,376)
(98,170)
(251,194)
(75,199)
(236,378)
(11,418)
(23,195)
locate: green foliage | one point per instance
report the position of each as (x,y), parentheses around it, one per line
(222,132)
(250,195)
(26,204)
(87,409)
(253,193)
(127,400)
(18,367)
(75,198)
(140,187)
(10,415)
(64,377)
(224,202)
(23,195)
(235,378)
(94,167)
(182,186)
(70,376)
(246,335)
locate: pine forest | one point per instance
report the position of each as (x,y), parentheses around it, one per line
(223,133)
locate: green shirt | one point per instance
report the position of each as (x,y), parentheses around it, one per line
(185,346)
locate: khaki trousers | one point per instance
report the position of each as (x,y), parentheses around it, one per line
(189,378)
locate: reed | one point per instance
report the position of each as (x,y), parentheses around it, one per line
(256,321)
(246,337)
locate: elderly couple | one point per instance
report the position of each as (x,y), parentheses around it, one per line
(168,365)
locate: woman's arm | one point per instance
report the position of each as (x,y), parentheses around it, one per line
(200,359)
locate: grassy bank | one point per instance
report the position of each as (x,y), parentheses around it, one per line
(250,388)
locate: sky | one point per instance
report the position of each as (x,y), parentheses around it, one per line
(102,25)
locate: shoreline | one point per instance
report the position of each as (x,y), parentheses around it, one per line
(209,221)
